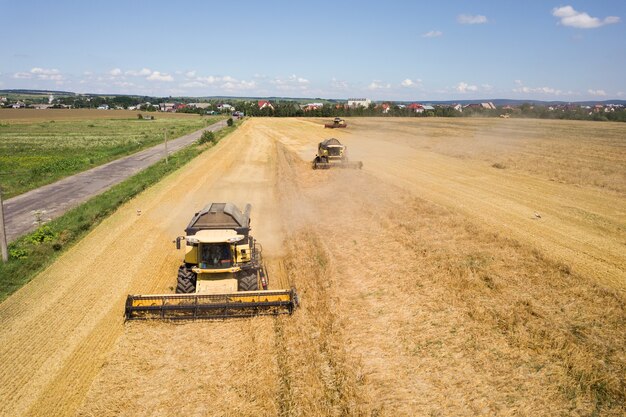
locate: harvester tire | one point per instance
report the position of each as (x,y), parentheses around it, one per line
(248,282)
(186,281)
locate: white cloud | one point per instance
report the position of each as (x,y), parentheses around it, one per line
(144,72)
(157,76)
(548,90)
(467,19)
(410,83)
(378,85)
(190,74)
(44,71)
(193,84)
(225,82)
(521,88)
(432,34)
(292,82)
(116,72)
(568,16)
(124,84)
(239,85)
(600,93)
(336,84)
(23,75)
(207,80)
(40,74)
(463,87)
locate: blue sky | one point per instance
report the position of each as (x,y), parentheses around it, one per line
(383,50)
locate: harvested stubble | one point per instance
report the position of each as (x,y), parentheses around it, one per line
(409,307)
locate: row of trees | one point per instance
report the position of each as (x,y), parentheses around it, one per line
(570,113)
(293,109)
(289,108)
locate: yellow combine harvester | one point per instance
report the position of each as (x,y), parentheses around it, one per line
(222,275)
(337,123)
(331,153)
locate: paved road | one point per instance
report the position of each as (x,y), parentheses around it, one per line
(59,197)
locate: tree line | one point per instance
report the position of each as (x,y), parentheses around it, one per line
(291,108)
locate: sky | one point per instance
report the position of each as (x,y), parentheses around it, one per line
(383,50)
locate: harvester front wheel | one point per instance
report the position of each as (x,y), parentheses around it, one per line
(186,281)
(248,282)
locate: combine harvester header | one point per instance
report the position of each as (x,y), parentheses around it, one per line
(210,306)
(222,276)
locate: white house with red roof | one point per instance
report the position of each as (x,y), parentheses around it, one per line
(265,104)
(416,107)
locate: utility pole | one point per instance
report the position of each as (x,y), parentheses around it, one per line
(3,235)
(165,133)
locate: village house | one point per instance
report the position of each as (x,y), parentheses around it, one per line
(263,104)
(311,106)
(225,107)
(41,106)
(416,107)
(167,107)
(359,102)
(487,105)
(200,105)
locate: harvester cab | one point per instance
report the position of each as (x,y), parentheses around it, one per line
(222,274)
(331,153)
(216,260)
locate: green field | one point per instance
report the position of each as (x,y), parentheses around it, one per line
(38,152)
(29,254)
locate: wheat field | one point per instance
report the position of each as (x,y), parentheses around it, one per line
(432,283)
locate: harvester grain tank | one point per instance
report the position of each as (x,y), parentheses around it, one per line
(222,274)
(331,153)
(337,122)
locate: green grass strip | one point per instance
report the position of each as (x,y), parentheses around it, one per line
(31,253)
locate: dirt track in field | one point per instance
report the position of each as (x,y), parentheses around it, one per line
(428,288)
